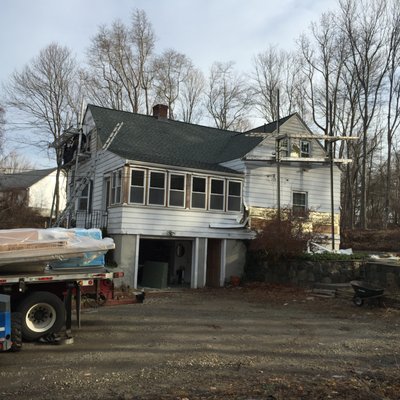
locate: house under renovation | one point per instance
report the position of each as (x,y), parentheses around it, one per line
(180,199)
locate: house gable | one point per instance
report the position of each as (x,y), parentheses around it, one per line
(293,127)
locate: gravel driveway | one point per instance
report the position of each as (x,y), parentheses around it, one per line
(238,343)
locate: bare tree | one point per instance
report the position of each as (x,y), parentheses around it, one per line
(192,95)
(143,41)
(119,57)
(171,70)
(111,54)
(228,97)
(42,93)
(365,26)
(2,127)
(277,70)
(324,56)
(393,104)
(14,162)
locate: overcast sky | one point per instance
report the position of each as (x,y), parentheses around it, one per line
(204,30)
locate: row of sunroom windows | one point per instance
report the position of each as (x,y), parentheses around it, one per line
(159,188)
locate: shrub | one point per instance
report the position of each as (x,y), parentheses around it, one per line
(282,238)
(16,215)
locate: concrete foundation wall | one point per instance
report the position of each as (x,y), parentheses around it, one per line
(235,258)
(202,262)
(125,256)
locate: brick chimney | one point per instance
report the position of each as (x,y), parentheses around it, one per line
(160,111)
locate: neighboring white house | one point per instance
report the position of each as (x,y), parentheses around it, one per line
(180,198)
(34,188)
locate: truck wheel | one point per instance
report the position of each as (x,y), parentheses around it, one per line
(16,331)
(358,301)
(42,313)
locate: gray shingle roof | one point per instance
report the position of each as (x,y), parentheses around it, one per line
(270,127)
(23,180)
(148,139)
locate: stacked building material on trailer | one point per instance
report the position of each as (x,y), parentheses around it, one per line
(37,249)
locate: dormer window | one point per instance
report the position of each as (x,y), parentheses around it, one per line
(305,149)
(284,147)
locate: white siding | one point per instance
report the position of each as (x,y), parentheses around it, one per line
(109,163)
(41,193)
(261,185)
(152,221)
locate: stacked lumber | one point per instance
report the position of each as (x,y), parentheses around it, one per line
(35,249)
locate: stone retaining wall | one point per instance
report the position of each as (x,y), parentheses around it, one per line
(307,273)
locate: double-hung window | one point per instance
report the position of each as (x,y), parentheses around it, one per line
(217,194)
(283,146)
(136,195)
(156,188)
(84,200)
(299,203)
(198,192)
(305,149)
(234,196)
(116,182)
(176,190)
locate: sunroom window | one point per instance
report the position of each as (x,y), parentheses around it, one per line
(198,192)
(234,196)
(176,190)
(137,186)
(157,188)
(217,193)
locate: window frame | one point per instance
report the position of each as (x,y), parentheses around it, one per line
(283,147)
(116,190)
(170,190)
(300,209)
(133,186)
(87,197)
(228,196)
(211,194)
(151,188)
(304,154)
(193,192)
(106,191)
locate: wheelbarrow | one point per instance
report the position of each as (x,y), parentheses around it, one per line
(364,290)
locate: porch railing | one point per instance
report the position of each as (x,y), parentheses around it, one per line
(87,219)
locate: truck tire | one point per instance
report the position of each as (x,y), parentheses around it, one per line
(16,331)
(42,313)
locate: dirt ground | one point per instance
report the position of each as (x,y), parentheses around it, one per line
(230,343)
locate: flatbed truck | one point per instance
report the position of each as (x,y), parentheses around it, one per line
(34,305)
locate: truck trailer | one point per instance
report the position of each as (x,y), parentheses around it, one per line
(42,274)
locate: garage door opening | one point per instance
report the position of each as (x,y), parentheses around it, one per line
(164,263)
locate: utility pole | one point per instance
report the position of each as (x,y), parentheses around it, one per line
(278,161)
(331,157)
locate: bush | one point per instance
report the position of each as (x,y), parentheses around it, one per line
(282,238)
(16,215)
(333,257)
